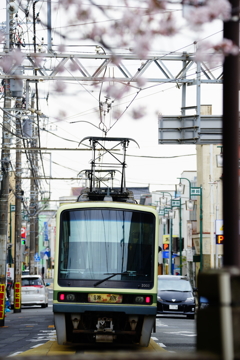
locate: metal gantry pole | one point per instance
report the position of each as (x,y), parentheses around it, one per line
(180,234)
(230,131)
(197,193)
(201,230)
(171,234)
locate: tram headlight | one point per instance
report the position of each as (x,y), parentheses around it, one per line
(139,299)
(70,297)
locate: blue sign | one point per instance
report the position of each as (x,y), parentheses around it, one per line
(45,231)
(36,257)
(165,254)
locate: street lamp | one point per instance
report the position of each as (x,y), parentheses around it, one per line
(190,204)
(194,191)
(219,158)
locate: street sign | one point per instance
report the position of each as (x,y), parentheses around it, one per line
(165,254)
(195,191)
(165,247)
(23,232)
(219,227)
(219,239)
(36,257)
(176,203)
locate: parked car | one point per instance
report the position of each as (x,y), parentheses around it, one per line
(33,291)
(175,296)
(25,272)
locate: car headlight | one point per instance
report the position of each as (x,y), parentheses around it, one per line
(159,298)
(189,299)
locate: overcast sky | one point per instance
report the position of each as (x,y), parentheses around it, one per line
(165,162)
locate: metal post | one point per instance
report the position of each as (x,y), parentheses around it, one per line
(180,234)
(170,246)
(49,25)
(171,234)
(200,217)
(230,131)
(201,229)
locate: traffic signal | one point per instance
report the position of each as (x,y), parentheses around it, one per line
(219,239)
(23,242)
(165,247)
(176,244)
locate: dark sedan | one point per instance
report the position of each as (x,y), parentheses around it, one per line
(175,296)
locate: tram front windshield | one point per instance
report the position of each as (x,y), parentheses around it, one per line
(96,243)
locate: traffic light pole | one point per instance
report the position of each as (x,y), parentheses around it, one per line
(180,234)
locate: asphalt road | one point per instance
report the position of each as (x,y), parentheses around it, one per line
(33,326)
(176,333)
(32,330)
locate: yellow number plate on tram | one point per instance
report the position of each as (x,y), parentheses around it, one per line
(105,298)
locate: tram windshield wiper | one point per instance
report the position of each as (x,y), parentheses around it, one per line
(109,277)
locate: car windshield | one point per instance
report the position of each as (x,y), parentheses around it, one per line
(112,244)
(174,285)
(31,282)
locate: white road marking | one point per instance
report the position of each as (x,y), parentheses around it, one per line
(159,323)
(49,331)
(183,333)
(42,339)
(35,346)
(161,344)
(45,335)
(154,338)
(15,354)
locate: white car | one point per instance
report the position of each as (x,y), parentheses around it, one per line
(34,291)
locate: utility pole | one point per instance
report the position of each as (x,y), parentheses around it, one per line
(5,162)
(4,193)
(18,217)
(32,207)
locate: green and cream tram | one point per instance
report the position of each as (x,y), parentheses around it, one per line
(106,264)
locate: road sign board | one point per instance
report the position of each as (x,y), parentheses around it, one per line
(36,257)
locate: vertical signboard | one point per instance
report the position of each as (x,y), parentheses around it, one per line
(45,231)
(17,295)
(219,232)
(2,301)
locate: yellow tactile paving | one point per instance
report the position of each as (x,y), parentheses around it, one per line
(51,348)
(48,349)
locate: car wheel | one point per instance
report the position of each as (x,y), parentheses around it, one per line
(43,305)
(191,316)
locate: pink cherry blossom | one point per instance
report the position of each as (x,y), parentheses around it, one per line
(138,112)
(59,86)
